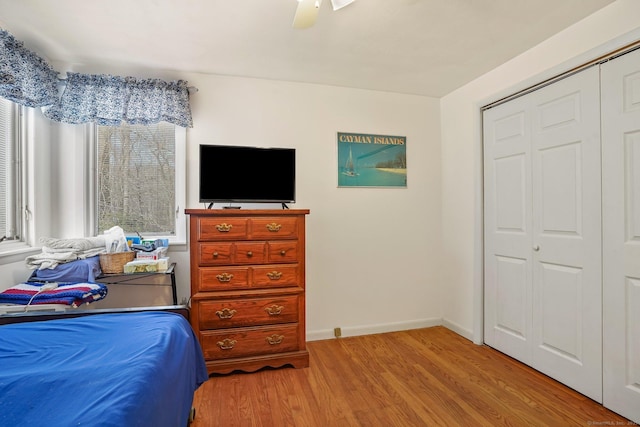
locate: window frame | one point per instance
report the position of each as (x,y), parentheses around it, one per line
(24,175)
(180,236)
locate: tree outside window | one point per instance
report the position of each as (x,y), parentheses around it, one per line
(136,178)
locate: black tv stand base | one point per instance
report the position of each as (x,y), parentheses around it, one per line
(210,206)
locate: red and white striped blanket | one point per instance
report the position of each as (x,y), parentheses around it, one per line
(73,294)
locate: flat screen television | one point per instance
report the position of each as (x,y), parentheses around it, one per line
(247,174)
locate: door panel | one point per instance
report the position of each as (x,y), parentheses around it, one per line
(621,231)
(561,182)
(561,314)
(510,180)
(511,283)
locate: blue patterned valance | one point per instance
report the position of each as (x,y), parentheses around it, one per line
(25,78)
(110,100)
(154,100)
(90,98)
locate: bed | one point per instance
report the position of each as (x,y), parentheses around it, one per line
(131,368)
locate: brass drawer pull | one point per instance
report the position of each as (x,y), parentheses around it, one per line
(249,254)
(275,339)
(226,344)
(224,277)
(226,313)
(283,252)
(224,227)
(274,275)
(274,227)
(215,254)
(274,310)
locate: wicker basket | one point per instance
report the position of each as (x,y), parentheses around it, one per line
(115,261)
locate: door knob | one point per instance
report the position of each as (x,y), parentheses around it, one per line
(536,248)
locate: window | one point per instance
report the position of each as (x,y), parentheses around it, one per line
(139,183)
(10,175)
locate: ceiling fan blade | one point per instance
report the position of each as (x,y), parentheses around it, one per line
(339,4)
(306,13)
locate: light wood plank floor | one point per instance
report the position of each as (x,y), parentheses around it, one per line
(421,377)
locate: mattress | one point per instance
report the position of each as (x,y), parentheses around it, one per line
(122,369)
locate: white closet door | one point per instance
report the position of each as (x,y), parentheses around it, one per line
(508,232)
(542,231)
(621,226)
(567,272)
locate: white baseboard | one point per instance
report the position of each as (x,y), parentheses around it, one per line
(373,329)
(465,333)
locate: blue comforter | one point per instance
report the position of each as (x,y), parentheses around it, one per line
(122,369)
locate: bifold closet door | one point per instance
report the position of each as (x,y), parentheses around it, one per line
(508,229)
(542,190)
(621,231)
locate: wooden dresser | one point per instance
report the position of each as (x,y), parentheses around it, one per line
(248,287)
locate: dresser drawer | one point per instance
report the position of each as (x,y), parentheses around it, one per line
(242,342)
(223,278)
(250,253)
(275,276)
(248,312)
(215,253)
(221,228)
(227,278)
(274,228)
(286,251)
(223,253)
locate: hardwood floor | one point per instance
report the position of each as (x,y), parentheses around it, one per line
(421,377)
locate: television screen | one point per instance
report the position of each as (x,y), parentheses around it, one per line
(247,174)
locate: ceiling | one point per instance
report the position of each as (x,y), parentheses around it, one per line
(422,47)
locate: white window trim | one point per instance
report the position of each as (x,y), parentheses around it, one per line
(180,238)
(11,252)
(181,186)
(91,162)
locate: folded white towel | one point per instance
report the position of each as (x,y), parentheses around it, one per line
(78,244)
(50,258)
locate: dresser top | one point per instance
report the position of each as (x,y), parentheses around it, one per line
(246,212)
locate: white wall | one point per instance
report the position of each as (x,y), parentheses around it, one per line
(373,255)
(613,27)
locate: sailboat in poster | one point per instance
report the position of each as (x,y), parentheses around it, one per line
(349,168)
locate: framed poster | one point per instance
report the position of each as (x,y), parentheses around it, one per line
(366,160)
